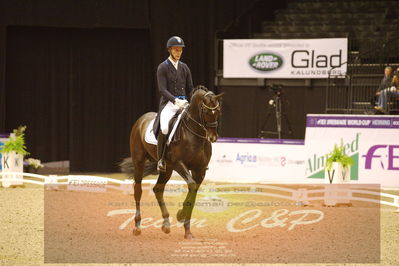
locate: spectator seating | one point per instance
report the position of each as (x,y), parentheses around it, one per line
(371,26)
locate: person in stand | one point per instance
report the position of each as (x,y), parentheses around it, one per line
(384,95)
(175,86)
(385,83)
(386,80)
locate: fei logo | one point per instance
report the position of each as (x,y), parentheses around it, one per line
(385,155)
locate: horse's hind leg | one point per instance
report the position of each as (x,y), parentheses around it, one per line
(138,177)
(158,189)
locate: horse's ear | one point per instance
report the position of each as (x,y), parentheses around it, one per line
(219,96)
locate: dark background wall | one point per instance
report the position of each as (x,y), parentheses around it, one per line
(246,110)
(77,90)
(79,73)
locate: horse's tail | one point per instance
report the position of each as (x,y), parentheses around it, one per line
(127,167)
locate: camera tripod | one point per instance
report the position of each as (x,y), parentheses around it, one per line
(275,106)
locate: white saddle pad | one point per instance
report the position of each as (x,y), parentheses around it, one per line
(149,133)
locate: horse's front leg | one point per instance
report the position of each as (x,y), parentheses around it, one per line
(159,189)
(193,182)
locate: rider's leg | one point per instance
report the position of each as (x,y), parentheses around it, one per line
(161,152)
(167,113)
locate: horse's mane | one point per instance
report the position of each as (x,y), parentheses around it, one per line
(197,89)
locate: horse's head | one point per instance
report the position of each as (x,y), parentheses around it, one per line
(206,107)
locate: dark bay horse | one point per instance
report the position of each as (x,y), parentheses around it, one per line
(188,155)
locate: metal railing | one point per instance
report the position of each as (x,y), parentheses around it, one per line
(356,92)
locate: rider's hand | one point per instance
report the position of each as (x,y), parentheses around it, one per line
(180,103)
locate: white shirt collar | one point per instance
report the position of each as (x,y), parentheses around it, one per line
(175,64)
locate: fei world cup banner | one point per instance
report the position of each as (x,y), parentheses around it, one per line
(295,58)
(371,141)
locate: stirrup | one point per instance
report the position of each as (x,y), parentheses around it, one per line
(161,165)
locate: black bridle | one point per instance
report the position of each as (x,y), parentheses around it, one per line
(203,124)
(213,124)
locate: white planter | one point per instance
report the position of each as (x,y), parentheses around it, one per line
(336,194)
(338,174)
(12,162)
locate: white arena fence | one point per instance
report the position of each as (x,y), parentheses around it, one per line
(338,193)
(75,182)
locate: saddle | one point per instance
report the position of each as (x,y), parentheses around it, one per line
(173,134)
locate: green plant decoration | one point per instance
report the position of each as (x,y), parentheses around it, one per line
(338,155)
(16,143)
(19,131)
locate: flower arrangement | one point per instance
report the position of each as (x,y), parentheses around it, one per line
(35,163)
(16,142)
(338,155)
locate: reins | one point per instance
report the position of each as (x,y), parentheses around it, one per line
(191,130)
(203,124)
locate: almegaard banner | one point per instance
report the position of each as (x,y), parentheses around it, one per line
(371,141)
(296,58)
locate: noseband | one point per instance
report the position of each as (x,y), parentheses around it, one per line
(213,124)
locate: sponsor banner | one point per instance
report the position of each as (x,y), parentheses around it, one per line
(358,121)
(12,162)
(3,139)
(267,141)
(372,142)
(256,160)
(296,58)
(86,183)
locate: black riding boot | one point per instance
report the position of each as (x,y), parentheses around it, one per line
(161,152)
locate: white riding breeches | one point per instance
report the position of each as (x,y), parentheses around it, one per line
(167,113)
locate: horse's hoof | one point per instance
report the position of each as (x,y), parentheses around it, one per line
(165,229)
(189,237)
(180,217)
(136,231)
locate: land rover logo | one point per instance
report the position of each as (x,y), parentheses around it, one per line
(266,62)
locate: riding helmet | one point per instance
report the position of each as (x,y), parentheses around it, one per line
(175,41)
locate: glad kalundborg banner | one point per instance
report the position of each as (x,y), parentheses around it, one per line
(296,58)
(371,141)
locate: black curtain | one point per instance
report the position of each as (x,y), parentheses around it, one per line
(2,77)
(79,73)
(113,86)
(78,91)
(187,20)
(197,22)
(37,89)
(76,13)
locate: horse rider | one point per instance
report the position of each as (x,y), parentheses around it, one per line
(175,86)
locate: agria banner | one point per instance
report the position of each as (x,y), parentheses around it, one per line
(371,141)
(296,58)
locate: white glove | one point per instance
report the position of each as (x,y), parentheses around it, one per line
(180,103)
